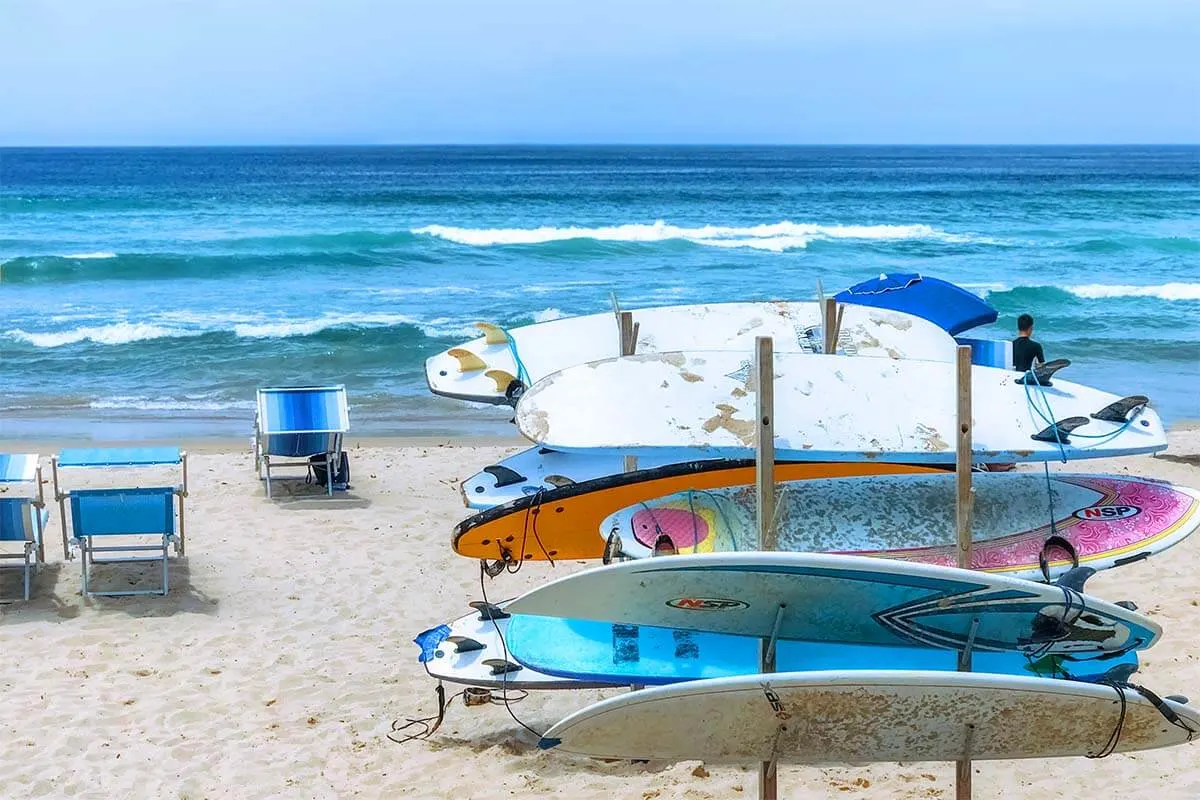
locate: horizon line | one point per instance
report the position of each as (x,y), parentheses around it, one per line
(550,144)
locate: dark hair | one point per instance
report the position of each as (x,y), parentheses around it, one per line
(1024,323)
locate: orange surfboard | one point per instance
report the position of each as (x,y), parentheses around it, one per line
(564,523)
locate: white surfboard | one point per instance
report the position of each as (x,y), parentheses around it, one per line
(848,599)
(484,370)
(827,408)
(538,469)
(472,651)
(871,716)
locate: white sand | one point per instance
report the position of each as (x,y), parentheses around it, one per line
(283,653)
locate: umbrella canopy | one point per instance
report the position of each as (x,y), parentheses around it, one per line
(950,307)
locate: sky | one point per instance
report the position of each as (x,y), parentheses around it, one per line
(166,72)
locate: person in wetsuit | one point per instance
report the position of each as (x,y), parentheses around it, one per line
(1026,352)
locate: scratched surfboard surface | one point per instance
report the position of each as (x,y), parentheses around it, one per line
(1108,520)
(827,408)
(480,370)
(870,715)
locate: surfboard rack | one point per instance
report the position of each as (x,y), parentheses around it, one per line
(1041,374)
(488,611)
(1119,411)
(501,666)
(1060,431)
(504,476)
(465,644)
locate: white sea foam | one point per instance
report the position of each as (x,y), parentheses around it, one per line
(281,329)
(86,256)
(188,324)
(125,402)
(1166,291)
(115,333)
(776,237)
(547,314)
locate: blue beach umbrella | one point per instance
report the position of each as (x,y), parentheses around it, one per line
(950,307)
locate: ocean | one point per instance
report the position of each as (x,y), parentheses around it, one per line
(146,293)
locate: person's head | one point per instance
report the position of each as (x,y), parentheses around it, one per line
(1025,324)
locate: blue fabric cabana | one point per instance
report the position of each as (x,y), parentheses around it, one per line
(950,307)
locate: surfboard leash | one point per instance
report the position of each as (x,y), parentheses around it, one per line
(1159,705)
(504,698)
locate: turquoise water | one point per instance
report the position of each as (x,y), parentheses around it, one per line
(147,292)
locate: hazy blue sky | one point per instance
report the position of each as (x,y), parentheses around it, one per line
(837,71)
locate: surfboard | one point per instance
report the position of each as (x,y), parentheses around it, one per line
(870,716)
(497,366)
(538,469)
(1106,520)
(849,599)
(565,522)
(827,408)
(630,654)
(472,651)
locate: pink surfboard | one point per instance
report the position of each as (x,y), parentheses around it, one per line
(1104,520)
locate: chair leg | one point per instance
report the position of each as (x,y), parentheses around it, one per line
(84,557)
(164,567)
(329,474)
(28,567)
(267,467)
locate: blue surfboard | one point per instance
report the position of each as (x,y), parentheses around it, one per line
(601,652)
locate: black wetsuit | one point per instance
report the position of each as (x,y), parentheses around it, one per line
(1025,352)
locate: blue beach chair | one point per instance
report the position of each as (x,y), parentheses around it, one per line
(295,424)
(22,519)
(122,525)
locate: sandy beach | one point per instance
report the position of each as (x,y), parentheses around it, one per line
(283,654)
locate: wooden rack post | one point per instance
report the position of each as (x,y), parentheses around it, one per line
(831,320)
(963,506)
(764,472)
(628,330)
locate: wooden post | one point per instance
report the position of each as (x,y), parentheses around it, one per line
(964,495)
(764,472)
(963,505)
(628,331)
(829,324)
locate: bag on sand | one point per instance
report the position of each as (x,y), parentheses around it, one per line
(319,475)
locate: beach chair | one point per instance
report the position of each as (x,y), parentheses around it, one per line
(22,519)
(122,525)
(294,425)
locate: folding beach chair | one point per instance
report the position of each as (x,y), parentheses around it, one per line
(300,423)
(122,525)
(22,519)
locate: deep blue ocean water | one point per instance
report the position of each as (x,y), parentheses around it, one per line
(147,292)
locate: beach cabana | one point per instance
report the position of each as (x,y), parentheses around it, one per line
(122,524)
(23,517)
(295,425)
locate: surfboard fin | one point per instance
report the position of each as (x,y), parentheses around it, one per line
(1059,432)
(501,666)
(1042,373)
(1119,411)
(467,361)
(464,644)
(612,548)
(504,380)
(488,611)
(558,481)
(1075,578)
(492,334)
(1126,604)
(504,476)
